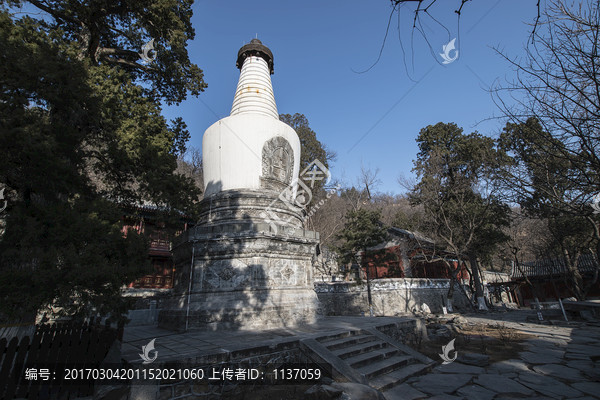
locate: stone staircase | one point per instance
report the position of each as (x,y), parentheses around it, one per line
(370,357)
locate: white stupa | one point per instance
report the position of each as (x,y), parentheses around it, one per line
(248,262)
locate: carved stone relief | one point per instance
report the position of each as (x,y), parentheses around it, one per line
(278,160)
(226,274)
(285,273)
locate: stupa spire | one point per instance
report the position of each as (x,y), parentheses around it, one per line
(254,93)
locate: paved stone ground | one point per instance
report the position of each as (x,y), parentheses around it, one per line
(561,362)
(194,343)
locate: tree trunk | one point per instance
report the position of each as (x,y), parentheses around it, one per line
(574,274)
(453,274)
(596,260)
(534,289)
(478,285)
(450,294)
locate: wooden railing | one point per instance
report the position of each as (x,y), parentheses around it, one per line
(160,244)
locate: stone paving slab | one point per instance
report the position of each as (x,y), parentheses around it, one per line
(588,349)
(577,356)
(458,368)
(587,335)
(476,392)
(509,396)
(501,384)
(545,342)
(404,392)
(548,386)
(509,366)
(583,340)
(560,371)
(441,383)
(582,365)
(538,357)
(591,388)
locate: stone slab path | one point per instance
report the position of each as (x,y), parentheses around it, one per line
(561,362)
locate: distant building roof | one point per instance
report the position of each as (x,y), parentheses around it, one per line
(553,267)
(419,237)
(397,234)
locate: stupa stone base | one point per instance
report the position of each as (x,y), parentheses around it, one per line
(248,272)
(247,310)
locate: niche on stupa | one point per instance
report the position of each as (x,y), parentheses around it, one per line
(277,164)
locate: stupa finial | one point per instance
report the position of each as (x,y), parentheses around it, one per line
(255,48)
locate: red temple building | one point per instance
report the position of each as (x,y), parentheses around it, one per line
(410,255)
(143,220)
(551,279)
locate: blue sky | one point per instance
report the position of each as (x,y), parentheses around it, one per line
(370,118)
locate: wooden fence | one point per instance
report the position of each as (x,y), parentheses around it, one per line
(19,331)
(31,367)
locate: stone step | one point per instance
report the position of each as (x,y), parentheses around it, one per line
(393,378)
(360,348)
(339,335)
(347,341)
(381,367)
(360,360)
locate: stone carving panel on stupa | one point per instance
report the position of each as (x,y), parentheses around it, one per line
(285,273)
(277,163)
(226,274)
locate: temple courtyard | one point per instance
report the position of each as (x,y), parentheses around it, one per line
(497,355)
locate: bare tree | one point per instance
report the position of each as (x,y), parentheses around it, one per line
(328,218)
(189,164)
(326,263)
(553,107)
(528,236)
(369,180)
